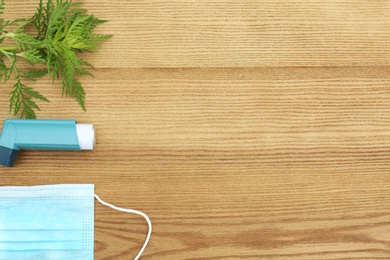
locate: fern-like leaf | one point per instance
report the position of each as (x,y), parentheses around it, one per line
(63,30)
(21,100)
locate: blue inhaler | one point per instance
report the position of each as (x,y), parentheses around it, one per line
(40,134)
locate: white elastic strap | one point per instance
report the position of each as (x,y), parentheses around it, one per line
(134,212)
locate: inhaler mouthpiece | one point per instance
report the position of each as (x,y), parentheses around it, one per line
(86,136)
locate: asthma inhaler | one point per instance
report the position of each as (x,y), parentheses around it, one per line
(38,134)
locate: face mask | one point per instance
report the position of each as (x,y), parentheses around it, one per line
(51,222)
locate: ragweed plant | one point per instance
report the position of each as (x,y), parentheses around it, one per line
(53,37)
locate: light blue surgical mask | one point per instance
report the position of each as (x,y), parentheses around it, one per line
(50,222)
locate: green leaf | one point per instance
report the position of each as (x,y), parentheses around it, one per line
(33,74)
(25,41)
(63,29)
(30,93)
(22,99)
(39,21)
(33,56)
(79,94)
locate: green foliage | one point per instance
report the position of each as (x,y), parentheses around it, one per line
(62,30)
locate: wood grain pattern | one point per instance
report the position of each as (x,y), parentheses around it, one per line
(244,129)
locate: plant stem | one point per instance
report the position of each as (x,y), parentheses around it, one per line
(8,48)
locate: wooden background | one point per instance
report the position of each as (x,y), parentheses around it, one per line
(244,129)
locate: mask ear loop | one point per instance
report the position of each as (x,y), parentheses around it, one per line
(134,212)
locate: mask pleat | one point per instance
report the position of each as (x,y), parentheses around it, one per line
(47,255)
(47,222)
(40,245)
(40,235)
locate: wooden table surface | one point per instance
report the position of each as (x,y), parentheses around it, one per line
(244,129)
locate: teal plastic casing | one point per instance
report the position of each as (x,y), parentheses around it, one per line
(38,135)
